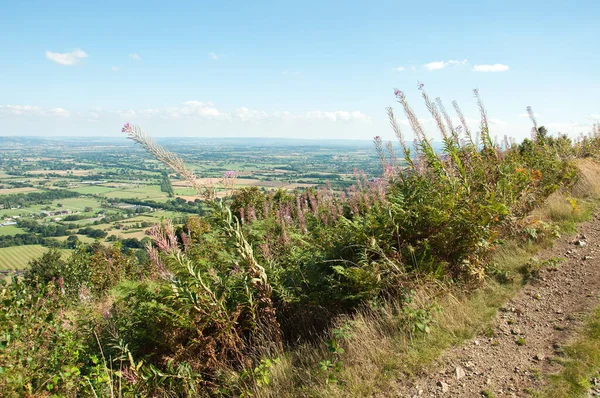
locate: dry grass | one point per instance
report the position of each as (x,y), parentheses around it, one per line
(9,191)
(564,205)
(588,183)
(558,207)
(380,351)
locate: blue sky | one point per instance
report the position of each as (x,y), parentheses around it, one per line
(292,69)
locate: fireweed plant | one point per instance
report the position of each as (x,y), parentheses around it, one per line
(222,295)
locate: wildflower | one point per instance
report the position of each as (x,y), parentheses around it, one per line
(397,93)
(128,374)
(420,85)
(185,238)
(126,128)
(229,179)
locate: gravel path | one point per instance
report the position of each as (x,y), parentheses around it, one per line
(529,330)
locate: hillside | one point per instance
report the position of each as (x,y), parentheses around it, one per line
(324,291)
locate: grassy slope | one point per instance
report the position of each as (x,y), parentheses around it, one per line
(379,351)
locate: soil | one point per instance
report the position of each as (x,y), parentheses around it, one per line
(527,332)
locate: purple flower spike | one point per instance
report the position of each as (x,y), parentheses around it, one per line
(420,86)
(397,92)
(126,128)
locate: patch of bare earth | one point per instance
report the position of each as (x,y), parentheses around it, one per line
(527,332)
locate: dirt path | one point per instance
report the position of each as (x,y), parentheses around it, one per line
(528,331)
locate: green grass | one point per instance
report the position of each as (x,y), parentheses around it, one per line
(77,204)
(93,190)
(11,230)
(186,192)
(151,192)
(17,257)
(580,362)
(18,212)
(82,238)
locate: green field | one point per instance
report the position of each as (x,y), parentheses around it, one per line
(11,230)
(18,212)
(186,192)
(18,257)
(151,192)
(76,204)
(93,190)
(82,238)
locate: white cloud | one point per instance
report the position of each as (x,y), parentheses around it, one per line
(31,110)
(597,117)
(213,56)
(21,109)
(436,65)
(59,112)
(491,68)
(135,56)
(207,110)
(68,58)
(126,113)
(336,116)
(244,114)
(115,68)
(188,109)
(399,69)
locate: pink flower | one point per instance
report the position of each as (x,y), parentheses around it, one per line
(397,92)
(126,128)
(420,86)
